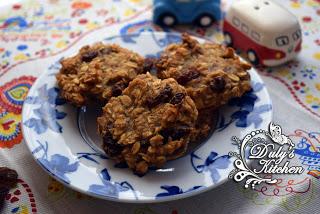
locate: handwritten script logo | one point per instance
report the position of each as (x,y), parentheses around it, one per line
(272,150)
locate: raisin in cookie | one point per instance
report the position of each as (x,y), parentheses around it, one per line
(205,125)
(211,73)
(98,72)
(150,123)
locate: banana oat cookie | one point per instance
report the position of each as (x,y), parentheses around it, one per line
(98,72)
(150,123)
(211,73)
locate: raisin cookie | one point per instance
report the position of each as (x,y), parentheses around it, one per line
(211,73)
(150,123)
(98,72)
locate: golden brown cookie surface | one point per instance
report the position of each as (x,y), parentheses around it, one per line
(98,72)
(150,123)
(211,73)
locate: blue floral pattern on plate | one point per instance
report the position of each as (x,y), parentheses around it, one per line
(174,190)
(57,164)
(91,156)
(212,164)
(108,188)
(247,112)
(47,115)
(52,134)
(60,165)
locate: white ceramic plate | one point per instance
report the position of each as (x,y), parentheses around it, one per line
(63,139)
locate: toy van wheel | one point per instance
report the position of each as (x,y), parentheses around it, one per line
(167,19)
(227,39)
(205,20)
(252,56)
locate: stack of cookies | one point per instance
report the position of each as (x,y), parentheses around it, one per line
(149,119)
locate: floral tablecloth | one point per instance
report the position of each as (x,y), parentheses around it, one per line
(32,29)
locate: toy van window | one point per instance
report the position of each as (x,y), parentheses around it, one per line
(236,21)
(296,35)
(255,36)
(244,28)
(282,41)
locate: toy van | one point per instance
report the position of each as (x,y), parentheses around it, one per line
(171,12)
(267,32)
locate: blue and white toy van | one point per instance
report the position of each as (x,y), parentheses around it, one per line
(171,12)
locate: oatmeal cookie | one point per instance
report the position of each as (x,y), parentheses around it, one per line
(150,123)
(211,73)
(98,72)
